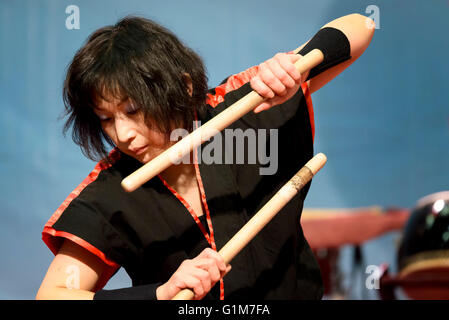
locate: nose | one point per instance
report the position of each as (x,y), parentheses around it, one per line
(125,130)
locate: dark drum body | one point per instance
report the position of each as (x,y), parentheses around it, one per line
(423,257)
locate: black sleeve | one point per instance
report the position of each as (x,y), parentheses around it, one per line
(84,223)
(144,292)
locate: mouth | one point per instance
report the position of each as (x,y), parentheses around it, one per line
(138,151)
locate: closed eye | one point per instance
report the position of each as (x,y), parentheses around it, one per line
(131,109)
(104,118)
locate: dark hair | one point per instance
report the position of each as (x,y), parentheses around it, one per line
(135,59)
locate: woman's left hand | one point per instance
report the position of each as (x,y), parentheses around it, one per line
(277,80)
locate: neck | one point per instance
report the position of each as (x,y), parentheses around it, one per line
(180,176)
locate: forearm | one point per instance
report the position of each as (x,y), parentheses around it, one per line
(359,31)
(60,293)
(144,292)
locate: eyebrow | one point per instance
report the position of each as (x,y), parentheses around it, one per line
(118,105)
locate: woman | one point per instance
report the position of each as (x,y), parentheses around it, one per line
(129,86)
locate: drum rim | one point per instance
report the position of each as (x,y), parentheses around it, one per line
(431,198)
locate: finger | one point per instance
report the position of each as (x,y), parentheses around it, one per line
(212,254)
(204,277)
(269,78)
(287,61)
(281,74)
(214,272)
(194,284)
(184,281)
(261,88)
(210,266)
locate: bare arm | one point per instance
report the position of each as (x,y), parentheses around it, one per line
(278,80)
(359,30)
(72,275)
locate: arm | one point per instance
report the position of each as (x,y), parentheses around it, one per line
(278,80)
(72,265)
(199,274)
(359,30)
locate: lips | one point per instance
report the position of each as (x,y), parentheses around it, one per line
(138,151)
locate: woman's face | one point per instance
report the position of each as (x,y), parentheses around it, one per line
(124,124)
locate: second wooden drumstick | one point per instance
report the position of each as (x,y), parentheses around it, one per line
(265,214)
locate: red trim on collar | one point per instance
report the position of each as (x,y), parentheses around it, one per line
(209,237)
(206,207)
(188,207)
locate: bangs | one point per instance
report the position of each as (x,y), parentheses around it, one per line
(136,60)
(116,77)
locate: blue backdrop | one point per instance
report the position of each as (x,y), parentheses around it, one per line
(383,123)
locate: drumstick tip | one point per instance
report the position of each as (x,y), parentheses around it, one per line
(317,162)
(127,185)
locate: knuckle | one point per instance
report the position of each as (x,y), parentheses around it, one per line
(196,282)
(263,66)
(176,279)
(266,92)
(284,77)
(185,263)
(279,55)
(208,262)
(269,78)
(178,283)
(290,83)
(256,82)
(280,88)
(203,276)
(296,75)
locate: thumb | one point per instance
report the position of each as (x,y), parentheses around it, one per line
(262,107)
(228,268)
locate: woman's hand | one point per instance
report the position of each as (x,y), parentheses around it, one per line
(277,80)
(199,275)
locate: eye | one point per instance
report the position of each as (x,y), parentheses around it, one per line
(103,118)
(131,109)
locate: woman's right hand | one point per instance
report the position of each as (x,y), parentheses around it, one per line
(199,275)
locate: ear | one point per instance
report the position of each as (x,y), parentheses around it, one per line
(188,81)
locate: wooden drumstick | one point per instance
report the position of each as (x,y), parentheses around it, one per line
(265,214)
(175,153)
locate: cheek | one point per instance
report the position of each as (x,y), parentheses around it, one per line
(110,132)
(155,138)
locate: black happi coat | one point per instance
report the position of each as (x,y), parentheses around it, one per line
(150,231)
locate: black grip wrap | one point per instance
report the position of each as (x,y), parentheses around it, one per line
(335,47)
(142,292)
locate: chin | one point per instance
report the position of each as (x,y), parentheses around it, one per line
(147,157)
(144,158)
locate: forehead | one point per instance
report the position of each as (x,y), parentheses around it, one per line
(109,103)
